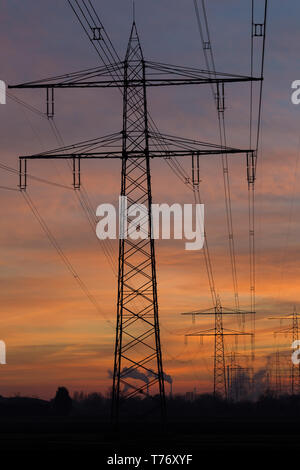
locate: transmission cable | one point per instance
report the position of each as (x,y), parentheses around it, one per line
(62,255)
(210,64)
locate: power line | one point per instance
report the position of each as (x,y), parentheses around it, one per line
(33,177)
(85,203)
(210,64)
(251,181)
(41,220)
(26,105)
(62,255)
(9,189)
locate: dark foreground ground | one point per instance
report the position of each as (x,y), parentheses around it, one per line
(89,441)
(76,433)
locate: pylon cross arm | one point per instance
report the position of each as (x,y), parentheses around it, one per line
(112,76)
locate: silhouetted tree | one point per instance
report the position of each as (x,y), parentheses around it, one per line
(62,402)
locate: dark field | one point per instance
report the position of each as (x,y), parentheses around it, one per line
(86,438)
(211,430)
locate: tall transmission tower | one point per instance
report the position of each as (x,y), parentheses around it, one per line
(293,332)
(137,345)
(218,332)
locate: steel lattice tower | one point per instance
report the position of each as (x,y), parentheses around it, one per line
(295,369)
(219,354)
(137,346)
(137,333)
(218,332)
(293,331)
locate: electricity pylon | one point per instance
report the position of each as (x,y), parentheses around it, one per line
(293,332)
(137,345)
(218,332)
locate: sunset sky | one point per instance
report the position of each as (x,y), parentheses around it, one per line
(54,335)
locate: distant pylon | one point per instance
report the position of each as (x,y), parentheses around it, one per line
(295,369)
(293,331)
(218,332)
(219,355)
